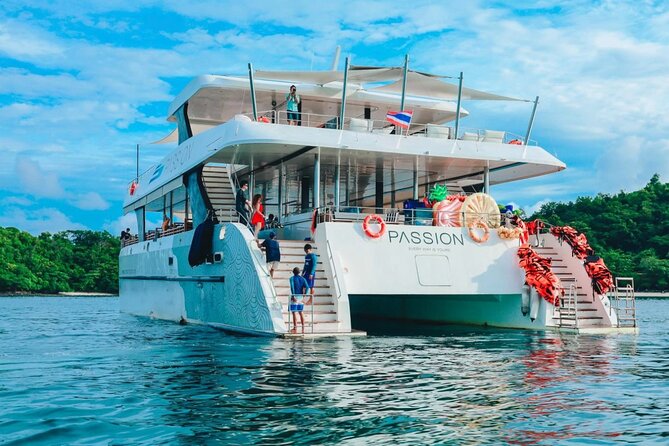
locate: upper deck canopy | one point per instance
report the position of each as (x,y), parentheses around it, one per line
(371,93)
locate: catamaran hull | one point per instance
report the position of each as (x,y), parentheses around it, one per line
(232,291)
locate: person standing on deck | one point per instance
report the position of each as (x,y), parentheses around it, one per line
(272,253)
(309,269)
(242,203)
(298,289)
(292,106)
(258,218)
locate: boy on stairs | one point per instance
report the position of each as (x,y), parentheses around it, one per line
(298,288)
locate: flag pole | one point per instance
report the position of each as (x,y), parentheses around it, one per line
(343,96)
(253,94)
(404,80)
(457,109)
(531,123)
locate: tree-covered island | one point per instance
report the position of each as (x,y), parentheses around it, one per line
(629,230)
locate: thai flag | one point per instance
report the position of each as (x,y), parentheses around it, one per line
(401,118)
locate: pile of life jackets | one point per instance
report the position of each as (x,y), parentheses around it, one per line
(602,280)
(538,274)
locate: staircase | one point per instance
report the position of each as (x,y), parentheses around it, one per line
(580,307)
(324,308)
(217,182)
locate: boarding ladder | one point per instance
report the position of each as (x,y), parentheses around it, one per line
(568,317)
(624,302)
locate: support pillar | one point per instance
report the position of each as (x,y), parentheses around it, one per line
(486,180)
(317,180)
(337,181)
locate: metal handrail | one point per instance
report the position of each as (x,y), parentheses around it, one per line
(335,278)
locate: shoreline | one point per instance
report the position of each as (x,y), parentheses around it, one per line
(59,294)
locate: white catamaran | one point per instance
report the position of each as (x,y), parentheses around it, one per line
(348,180)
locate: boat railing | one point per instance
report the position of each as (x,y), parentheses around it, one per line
(410,217)
(382,126)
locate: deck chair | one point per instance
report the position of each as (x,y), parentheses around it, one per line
(493,136)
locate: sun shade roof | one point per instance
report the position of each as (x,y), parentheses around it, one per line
(418,83)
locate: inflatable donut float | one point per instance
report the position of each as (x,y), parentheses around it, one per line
(483,207)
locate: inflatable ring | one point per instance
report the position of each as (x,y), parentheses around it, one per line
(516,142)
(133,188)
(370,233)
(447,213)
(474,236)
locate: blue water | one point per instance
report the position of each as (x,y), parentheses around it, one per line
(75,371)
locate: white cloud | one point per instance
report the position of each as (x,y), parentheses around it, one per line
(90,201)
(19,201)
(38,221)
(36,181)
(121,223)
(631,162)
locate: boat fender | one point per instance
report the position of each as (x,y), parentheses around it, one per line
(535,301)
(474,235)
(371,233)
(525,300)
(314,222)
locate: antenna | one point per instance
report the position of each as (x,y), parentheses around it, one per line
(335,61)
(137,160)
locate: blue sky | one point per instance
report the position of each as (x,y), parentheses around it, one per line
(82,81)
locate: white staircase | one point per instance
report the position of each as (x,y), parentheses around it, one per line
(221,193)
(580,307)
(324,319)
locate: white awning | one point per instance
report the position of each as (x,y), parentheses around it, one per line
(419,84)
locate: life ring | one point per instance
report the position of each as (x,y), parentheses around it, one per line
(474,236)
(133,188)
(516,142)
(264,119)
(370,232)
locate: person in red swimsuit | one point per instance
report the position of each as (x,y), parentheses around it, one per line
(258,218)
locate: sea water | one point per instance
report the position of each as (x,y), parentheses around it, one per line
(76,371)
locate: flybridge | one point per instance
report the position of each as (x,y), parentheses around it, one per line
(357,91)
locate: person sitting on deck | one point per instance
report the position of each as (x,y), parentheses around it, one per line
(298,289)
(166,223)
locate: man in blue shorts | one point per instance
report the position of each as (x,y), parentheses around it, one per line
(309,269)
(298,288)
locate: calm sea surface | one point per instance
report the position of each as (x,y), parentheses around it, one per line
(75,371)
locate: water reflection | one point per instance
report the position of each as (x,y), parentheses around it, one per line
(149,382)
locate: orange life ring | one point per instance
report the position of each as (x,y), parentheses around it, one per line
(516,142)
(263,119)
(133,188)
(368,231)
(474,236)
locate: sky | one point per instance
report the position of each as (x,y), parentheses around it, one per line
(81,82)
